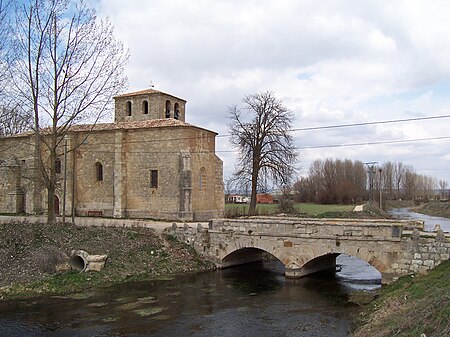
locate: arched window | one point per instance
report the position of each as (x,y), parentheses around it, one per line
(98,171)
(58,166)
(167,109)
(153,178)
(129,108)
(176,111)
(145,107)
(202,178)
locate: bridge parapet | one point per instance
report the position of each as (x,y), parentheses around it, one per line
(309,245)
(362,229)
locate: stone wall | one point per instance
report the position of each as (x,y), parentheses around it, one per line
(17,177)
(156,107)
(307,245)
(109,166)
(423,252)
(189,187)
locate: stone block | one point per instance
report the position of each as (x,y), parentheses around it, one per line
(428,263)
(423,249)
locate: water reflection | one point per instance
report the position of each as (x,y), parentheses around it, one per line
(251,300)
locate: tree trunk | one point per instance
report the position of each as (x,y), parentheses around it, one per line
(255,172)
(51,184)
(252,209)
(51,219)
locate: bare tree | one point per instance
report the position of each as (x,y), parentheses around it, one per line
(409,183)
(443,187)
(5,6)
(398,176)
(69,66)
(333,181)
(13,121)
(261,135)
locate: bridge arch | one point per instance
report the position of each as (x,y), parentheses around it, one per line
(298,260)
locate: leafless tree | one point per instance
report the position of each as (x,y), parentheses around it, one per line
(409,183)
(260,132)
(399,173)
(69,66)
(5,38)
(333,181)
(13,121)
(443,185)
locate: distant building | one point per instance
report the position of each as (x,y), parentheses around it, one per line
(237,199)
(149,163)
(264,198)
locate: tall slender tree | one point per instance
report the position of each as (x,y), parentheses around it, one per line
(5,38)
(260,132)
(69,66)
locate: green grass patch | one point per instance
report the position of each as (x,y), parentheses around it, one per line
(235,210)
(317,209)
(411,306)
(57,284)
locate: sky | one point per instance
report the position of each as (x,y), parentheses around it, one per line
(330,62)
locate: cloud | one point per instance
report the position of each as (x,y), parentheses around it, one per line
(331,63)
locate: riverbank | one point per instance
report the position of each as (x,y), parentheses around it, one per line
(31,253)
(411,306)
(433,208)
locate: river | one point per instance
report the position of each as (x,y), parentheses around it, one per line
(429,221)
(251,300)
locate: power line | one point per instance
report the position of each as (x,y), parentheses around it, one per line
(157,140)
(336,126)
(294,130)
(370,123)
(297,148)
(374,143)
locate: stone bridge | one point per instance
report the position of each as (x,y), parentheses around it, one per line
(305,246)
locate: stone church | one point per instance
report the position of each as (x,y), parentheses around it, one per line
(149,163)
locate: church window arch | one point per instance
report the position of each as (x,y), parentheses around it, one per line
(176,111)
(145,107)
(167,109)
(153,178)
(98,171)
(128,108)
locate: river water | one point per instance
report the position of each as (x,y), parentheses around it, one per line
(429,221)
(251,300)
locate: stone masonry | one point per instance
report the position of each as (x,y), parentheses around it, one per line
(304,246)
(149,163)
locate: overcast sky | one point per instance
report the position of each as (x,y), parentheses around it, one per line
(331,62)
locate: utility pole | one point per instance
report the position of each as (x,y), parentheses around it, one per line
(371,172)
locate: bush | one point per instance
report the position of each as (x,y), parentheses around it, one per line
(286,205)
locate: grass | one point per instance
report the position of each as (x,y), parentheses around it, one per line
(411,306)
(306,209)
(31,252)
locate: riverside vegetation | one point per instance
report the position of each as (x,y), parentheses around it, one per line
(412,306)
